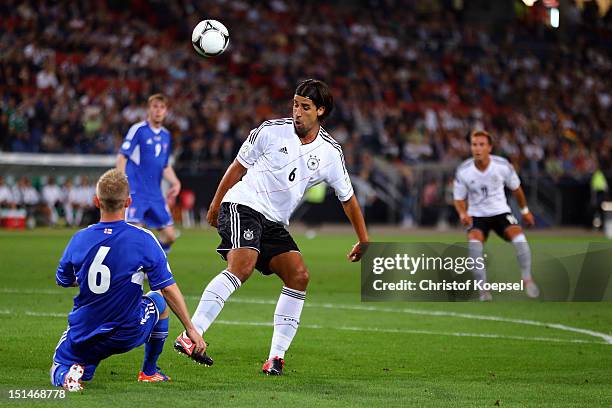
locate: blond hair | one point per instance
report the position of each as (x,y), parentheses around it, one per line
(157,97)
(481,132)
(112,190)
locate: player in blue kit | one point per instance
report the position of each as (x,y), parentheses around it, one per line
(108,262)
(144,158)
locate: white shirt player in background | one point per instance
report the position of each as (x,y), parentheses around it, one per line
(72,204)
(7,199)
(77,199)
(480,201)
(260,190)
(52,197)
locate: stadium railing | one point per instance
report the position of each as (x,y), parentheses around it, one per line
(41,164)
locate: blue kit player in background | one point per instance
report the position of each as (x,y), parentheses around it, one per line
(108,262)
(144,158)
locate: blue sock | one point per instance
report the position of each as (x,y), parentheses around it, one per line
(166,247)
(59,374)
(154,346)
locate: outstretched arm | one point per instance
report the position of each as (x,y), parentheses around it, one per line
(353,213)
(175,300)
(232,175)
(522,202)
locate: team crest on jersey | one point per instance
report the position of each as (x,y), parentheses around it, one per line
(248,234)
(313,163)
(165,145)
(245,149)
(149,141)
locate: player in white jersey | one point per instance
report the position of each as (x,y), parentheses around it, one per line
(480,200)
(7,198)
(260,190)
(52,198)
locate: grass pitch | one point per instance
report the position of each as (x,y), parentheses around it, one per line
(346,353)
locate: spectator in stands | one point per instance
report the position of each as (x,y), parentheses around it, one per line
(410,79)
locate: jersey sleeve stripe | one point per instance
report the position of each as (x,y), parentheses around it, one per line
(161,285)
(132,132)
(244,162)
(275,122)
(337,147)
(254,133)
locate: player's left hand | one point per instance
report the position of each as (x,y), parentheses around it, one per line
(357,251)
(528,219)
(173,192)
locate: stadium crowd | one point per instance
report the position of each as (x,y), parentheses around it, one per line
(410,79)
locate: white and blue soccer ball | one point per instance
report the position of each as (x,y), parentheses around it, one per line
(210,38)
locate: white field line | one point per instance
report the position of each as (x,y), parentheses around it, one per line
(350,328)
(607,338)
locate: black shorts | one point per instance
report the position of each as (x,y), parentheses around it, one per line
(242,227)
(497,223)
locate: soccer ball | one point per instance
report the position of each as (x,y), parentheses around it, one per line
(210,38)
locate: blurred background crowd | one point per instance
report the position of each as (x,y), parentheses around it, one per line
(410,79)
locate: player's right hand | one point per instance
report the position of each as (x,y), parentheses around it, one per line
(465,219)
(196,338)
(357,251)
(528,219)
(212,216)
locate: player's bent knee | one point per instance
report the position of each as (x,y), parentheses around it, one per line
(242,272)
(300,278)
(476,234)
(241,262)
(160,303)
(513,231)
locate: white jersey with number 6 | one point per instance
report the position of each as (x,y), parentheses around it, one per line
(484,190)
(281,169)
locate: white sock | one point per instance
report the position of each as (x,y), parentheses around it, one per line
(78,216)
(286,320)
(476,250)
(215,294)
(70,215)
(523,254)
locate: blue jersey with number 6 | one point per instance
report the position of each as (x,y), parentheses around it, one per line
(108,261)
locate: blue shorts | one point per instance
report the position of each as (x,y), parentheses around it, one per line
(154,213)
(91,352)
